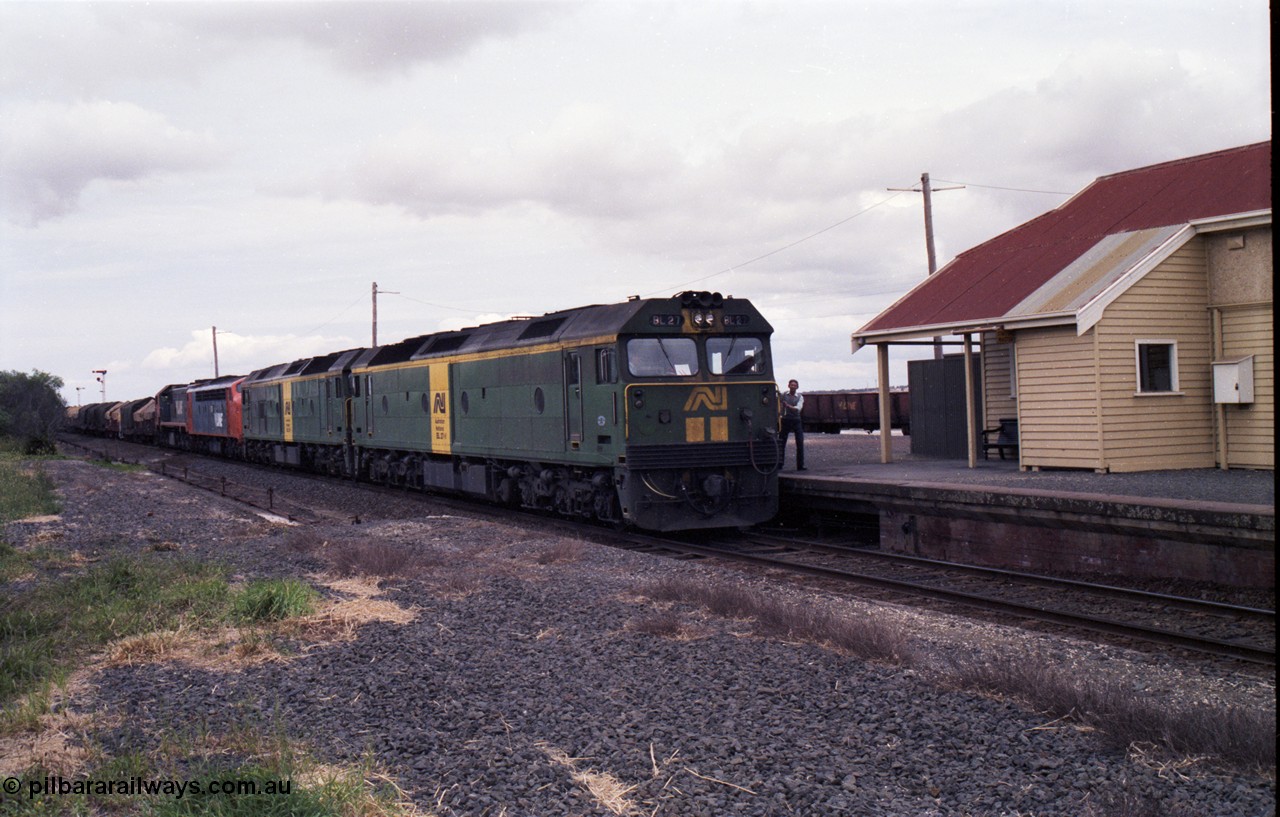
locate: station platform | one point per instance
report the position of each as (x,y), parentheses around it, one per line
(1204,525)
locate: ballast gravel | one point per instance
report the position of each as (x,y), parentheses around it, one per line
(527,683)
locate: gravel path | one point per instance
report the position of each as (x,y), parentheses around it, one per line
(527,681)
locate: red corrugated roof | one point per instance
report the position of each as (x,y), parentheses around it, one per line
(988,280)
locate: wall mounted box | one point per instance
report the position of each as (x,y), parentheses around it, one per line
(1233,380)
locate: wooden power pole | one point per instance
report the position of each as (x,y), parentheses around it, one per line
(375,309)
(927,189)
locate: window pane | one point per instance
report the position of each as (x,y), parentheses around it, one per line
(662,357)
(735,355)
(1155,367)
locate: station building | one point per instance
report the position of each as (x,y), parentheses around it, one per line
(1129,329)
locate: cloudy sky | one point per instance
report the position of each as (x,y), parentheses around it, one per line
(170,167)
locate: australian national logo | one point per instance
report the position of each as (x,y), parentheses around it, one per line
(711,398)
(707,429)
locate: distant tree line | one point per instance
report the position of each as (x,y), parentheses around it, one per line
(31,410)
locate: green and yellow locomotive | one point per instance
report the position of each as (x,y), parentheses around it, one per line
(661,413)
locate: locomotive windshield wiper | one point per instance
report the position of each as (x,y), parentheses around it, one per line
(728,356)
(662,346)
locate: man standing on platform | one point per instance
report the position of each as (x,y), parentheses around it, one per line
(792,405)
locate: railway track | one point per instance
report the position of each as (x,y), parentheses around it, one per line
(1221,629)
(1227,630)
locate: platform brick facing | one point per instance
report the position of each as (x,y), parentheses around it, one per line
(1062,549)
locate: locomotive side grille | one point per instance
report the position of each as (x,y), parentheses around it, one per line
(763,454)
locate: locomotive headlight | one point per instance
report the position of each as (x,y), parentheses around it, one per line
(697,319)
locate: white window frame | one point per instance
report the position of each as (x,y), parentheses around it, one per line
(1174,386)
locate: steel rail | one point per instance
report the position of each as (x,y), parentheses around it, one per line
(1180,602)
(1213,646)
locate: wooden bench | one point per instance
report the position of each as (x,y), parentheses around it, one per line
(1006,438)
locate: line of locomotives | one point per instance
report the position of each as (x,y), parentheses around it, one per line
(658,413)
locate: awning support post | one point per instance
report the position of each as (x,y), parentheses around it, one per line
(970,416)
(886,422)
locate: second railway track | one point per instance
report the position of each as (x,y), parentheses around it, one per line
(1228,630)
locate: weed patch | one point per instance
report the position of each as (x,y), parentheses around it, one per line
(274,600)
(563,551)
(665,624)
(862,636)
(369,559)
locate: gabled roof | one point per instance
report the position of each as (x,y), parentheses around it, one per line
(1058,267)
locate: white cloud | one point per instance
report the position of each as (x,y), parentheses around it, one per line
(240,354)
(50,152)
(361,37)
(185,164)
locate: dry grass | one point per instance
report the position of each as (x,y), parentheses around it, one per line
(364,606)
(562,551)
(365,557)
(54,740)
(231,648)
(226,649)
(607,790)
(1123,716)
(370,559)
(665,624)
(458,583)
(148,648)
(341,619)
(1128,801)
(862,636)
(304,540)
(1127,718)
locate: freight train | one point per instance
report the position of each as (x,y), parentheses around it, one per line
(830,412)
(657,413)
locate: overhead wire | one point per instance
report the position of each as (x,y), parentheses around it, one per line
(997,187)
(779,249)
(739,265)
(428,303)
(344,311)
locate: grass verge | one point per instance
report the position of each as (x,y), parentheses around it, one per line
(43,630)
(250,770)
(129,602)
(25,491)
